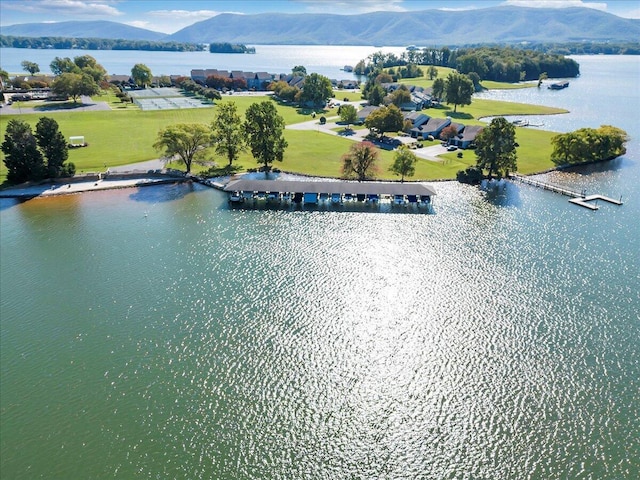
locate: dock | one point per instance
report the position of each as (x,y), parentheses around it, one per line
(329,192)
(577,198)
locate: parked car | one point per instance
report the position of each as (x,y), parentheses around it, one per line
(452,148)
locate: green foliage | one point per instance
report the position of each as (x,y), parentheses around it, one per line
(471,175)
(401,96)
(496,148)
(22,158)
(299,71)
(265,129)
(360,162)
(588,145)
(53,146)
(227,133)
(141,75)
(74,85)
(432,72)
(438,88)
(65,43)
(186,141)
(316,90)
(404,163)
(348,114)
(385,119)
(230,48)
(30,67)
(458,90)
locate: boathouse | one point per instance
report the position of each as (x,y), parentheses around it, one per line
(311,192)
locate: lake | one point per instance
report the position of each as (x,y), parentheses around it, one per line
(158,333)
(268,58)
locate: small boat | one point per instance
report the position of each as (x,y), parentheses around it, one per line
(558,86)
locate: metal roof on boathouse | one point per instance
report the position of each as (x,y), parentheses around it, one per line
(343,187)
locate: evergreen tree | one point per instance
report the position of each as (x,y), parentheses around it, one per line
(22,158)
(53,146)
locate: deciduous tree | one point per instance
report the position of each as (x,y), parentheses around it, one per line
(265,128)
(361,161)
(141,75)
(385,119)
(348,114)
(432,72)
(227,133)
(458,89)
(30,67)
(404,163)
(316,90)
(438,88)
(496,148)
(184,141)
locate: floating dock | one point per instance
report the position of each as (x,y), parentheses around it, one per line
(578,198)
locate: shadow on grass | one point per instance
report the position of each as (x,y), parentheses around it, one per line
(221,171)
(59,106)
(459,115)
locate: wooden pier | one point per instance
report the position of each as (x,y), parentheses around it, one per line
(578,198)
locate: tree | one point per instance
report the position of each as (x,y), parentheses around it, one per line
(316,90)
(588,145)
(30,67)
(63,65)
(404,163)
(361,161)
(432,72)
(458,89)
(348,114)
(438,88)
(448,133)
(299,71)
(496,148)
(401,96)
(227,133)
(22,157)
(543,76)
(186,141)
(53,146)
(74,85)
(265,128)
(385,119)
(141,75)
(376,95)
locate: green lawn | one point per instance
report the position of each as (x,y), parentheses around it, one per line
(124,136)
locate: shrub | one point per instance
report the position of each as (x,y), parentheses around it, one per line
(471,175)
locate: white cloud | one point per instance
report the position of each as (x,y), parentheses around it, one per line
(73,8)
(195,15)
(350,7)
(556,4)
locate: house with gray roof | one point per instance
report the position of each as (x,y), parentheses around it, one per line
(433,127)
(467,136)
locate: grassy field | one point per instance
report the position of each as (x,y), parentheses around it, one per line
(123,136)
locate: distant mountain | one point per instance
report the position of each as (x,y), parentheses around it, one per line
(429,27)
(98,29)
(424,28)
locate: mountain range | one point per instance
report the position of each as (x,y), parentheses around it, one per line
(426,28)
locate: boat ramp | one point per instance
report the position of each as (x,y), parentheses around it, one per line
(578,198)
(329,192)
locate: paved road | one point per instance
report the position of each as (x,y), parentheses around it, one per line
(84,105)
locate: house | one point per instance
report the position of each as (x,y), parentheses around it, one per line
(365,112)
(416,118)
(433,127)
(467,136)
(260,81)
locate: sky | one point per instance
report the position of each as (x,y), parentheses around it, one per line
(169,16)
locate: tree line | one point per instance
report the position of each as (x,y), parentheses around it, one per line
(33,157)
(65,43)
(501,64)
(230,48)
